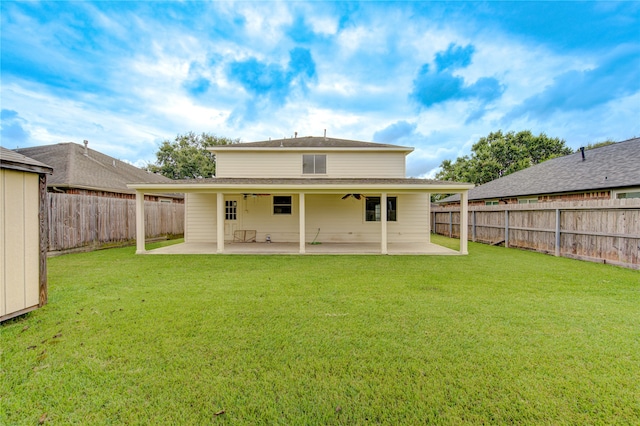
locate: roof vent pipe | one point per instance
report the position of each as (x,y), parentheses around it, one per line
(582,151)
(295,134)
(86,151)
(325,134)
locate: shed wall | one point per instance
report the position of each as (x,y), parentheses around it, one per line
(19,244)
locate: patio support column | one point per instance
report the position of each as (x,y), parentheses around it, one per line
(464,222)
(140,223)
(428,217)
(557,247)
(383,222)
(220,222)
(301,208)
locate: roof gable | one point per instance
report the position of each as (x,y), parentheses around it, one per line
(95,170)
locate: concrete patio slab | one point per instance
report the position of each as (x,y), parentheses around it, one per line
(294,248)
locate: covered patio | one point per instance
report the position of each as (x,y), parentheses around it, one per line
(318,249)
(211,236)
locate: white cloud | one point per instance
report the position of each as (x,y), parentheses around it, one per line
(129,94)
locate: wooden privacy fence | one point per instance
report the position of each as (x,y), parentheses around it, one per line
(77,221)
(603,231)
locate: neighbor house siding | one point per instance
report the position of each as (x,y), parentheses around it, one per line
(288,164)
(200,218)
(19,245)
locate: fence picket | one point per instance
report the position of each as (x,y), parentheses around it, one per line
(603,230)
(77,221)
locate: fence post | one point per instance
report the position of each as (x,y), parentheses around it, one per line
(473,226)
(557,253)
(464,222)
(433,228)
(450,224)
(506,227)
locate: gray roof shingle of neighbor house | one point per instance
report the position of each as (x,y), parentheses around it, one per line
(75,167)
(608,167)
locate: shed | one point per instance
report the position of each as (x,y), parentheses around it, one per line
(23,240)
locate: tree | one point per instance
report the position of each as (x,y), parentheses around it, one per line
(598,145)
(499,154)
(187,156)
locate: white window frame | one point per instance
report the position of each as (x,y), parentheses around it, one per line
(282,204)
(231,210)
(378,214)
(624,192)
(315,164)
(491,202)
(529,200)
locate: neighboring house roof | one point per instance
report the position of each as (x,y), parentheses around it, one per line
(311,142)
(608,167)
(14,161)
(75,167)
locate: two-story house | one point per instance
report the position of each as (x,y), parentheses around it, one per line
(306,190)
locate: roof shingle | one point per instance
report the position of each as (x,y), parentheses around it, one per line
(607,167)
(12,160)
(97,171)
(311,142)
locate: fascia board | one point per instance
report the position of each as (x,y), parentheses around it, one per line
(231,148)
(307,189)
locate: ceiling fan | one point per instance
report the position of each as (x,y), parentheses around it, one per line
(356,196)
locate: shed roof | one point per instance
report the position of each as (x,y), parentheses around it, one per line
(311,142)
(608,167)
(94,171)
(15,161)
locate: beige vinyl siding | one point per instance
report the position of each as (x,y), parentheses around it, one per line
(413,223)
(344,220)
(366,165)
(288,164)
(200,218)
(256,213)
(3,249)
(339,220)
(19,245)
(258,164)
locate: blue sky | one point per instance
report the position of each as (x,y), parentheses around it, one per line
(433,75)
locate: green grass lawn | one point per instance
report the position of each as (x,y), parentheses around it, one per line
(499,336)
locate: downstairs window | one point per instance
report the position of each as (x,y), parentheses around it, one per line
(282,204)
(373,212)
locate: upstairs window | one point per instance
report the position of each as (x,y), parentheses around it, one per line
(282,204)
(314,164)
(373,212)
